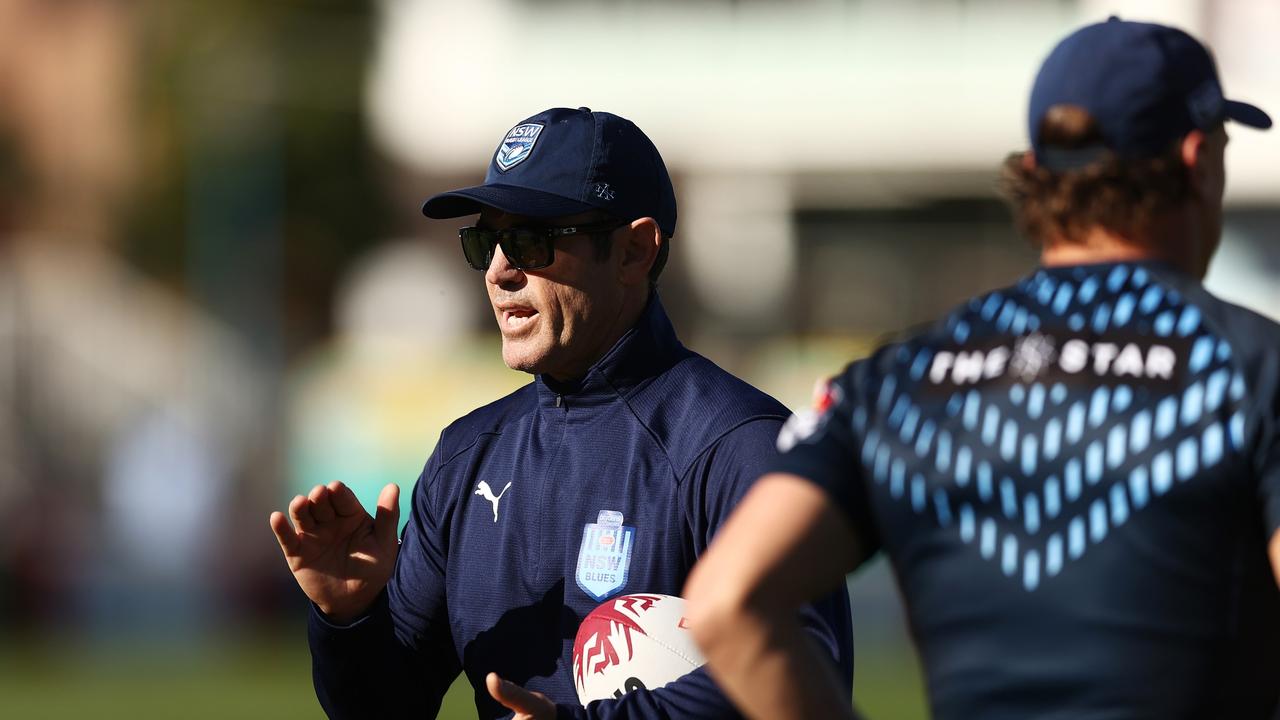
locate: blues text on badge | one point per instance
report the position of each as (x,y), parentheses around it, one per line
(604,558)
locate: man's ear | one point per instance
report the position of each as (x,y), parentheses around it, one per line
(639,248)
(1193,149)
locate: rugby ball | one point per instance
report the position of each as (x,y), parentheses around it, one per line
(632,642)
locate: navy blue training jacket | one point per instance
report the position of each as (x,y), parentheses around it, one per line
(1075,479)
(655,441)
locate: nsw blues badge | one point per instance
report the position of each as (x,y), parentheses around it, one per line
(604,559)
(517,145)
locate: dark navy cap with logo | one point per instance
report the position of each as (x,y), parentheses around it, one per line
(565,162)
(1145,85)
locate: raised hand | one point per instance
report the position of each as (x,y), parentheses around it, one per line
(341,557)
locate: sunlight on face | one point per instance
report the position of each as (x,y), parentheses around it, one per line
(560,319)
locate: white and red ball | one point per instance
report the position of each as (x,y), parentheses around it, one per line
(632,642)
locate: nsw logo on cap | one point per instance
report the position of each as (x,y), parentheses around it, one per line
(517,145)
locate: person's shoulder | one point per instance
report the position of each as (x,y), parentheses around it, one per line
(1252,340)
(698,386)
(487,420)
(695,402)
(1243,326)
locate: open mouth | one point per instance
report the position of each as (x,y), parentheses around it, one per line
(517,317)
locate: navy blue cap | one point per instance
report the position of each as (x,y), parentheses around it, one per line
(566,162)
(1145,85)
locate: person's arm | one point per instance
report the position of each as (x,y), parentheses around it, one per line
(399,660)
(362,670)
(393,657)
(744,593)
(342,560)
(1269,496)
(1267,456)
(1275,555)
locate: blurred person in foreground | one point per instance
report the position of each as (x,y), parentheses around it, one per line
(1075,478)
(608,474)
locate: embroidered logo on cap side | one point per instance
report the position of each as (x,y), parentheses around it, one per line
(517,145)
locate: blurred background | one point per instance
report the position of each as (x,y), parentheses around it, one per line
(216,289)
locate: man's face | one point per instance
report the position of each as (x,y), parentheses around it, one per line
(560,319)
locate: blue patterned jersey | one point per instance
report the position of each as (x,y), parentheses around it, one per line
(1074,479)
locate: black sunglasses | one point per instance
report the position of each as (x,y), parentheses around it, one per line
(525,248)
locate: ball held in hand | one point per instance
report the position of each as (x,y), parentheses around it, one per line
(632,642)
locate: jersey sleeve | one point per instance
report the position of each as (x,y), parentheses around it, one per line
(398,660)
(823,445)
(1268,456)
(710,491)
(1254,350)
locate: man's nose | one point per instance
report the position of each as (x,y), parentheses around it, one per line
(501,271)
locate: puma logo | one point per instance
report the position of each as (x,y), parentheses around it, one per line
(484,491)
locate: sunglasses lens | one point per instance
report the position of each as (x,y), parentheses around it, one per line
(477,246)
(527,249)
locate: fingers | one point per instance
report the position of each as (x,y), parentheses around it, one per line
(494,685)
(388,519)
(321,507)
(345,502)
(300,514)
(515,697)
(285,535)
(323,504)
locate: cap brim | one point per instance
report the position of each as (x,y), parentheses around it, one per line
(1247,114)
(507,198)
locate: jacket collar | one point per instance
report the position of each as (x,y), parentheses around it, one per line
(646,350)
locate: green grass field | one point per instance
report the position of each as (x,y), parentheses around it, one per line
(269,676)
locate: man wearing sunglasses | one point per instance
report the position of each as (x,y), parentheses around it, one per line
(605,476)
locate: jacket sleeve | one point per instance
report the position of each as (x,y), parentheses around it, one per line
(398,660)
(710,491)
